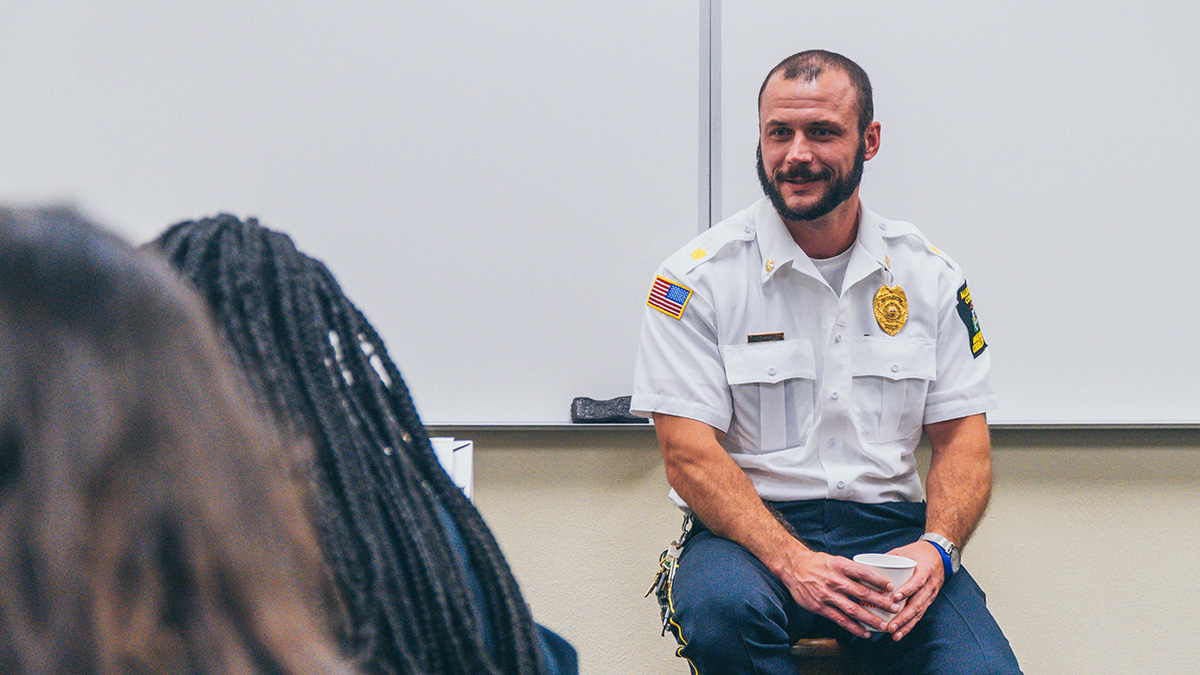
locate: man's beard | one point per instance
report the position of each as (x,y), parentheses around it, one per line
(838,192)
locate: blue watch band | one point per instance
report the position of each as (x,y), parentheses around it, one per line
(947,566)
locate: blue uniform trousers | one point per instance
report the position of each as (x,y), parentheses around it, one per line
(731,615)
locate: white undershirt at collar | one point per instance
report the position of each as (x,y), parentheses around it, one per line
(834,269)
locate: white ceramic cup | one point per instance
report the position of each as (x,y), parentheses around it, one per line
(897,569)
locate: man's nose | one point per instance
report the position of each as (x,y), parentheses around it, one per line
(799,152)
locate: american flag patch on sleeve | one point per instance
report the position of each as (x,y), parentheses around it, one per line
(668,297)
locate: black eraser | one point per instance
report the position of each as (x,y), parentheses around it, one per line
(613,411)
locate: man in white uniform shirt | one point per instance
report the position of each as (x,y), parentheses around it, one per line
(791,357)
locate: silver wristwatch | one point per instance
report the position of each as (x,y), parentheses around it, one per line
(951,554)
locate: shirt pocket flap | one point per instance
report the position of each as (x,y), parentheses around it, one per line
(895,359)
(769,362)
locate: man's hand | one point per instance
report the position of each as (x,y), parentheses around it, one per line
(920,590)
(838,589)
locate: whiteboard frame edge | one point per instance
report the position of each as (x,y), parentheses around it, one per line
(710,114)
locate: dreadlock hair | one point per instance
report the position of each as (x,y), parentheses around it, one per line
(147,524)
(385,508)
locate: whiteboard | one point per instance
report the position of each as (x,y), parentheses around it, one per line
(493,183)
(1051,149)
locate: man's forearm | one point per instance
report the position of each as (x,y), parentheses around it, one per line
(718,492)
(959,483)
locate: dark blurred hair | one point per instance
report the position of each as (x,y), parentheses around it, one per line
(146,523)
(808,65)
(424,585)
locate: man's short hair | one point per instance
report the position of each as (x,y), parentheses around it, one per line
(811,63)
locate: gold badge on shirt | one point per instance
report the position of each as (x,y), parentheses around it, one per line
(891,309)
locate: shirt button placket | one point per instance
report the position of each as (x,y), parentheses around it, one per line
(837,379)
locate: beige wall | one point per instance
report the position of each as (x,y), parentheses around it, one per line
(1088,553)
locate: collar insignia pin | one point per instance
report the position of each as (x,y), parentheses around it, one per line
(770,264)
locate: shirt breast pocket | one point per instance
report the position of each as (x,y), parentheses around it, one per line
(891,380)
(772,387)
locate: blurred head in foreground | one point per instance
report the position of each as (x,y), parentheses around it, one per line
(147,524)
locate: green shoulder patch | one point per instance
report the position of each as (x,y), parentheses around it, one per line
(966,312)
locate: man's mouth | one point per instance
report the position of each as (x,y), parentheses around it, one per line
(802,176)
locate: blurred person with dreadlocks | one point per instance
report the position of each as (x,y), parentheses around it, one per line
(424,586)
(147,522)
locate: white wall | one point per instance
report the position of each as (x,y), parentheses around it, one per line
(1087,552)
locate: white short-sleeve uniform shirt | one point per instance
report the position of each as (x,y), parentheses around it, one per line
(742,332)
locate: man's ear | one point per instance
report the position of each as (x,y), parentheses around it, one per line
(871,140)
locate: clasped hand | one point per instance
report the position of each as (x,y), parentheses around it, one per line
(841,590)
(920,590)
